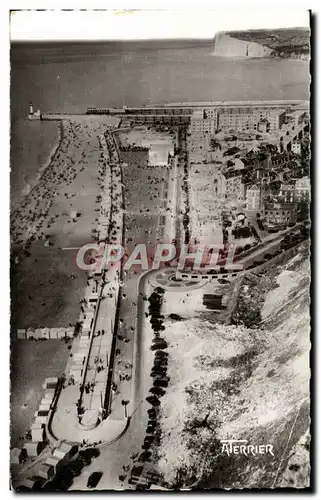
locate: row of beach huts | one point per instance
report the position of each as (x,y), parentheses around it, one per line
(47,470)
(45,333)
(31,449)
(38,433)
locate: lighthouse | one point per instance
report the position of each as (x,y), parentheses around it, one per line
(34,115)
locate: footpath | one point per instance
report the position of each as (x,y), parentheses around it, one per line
(79,414)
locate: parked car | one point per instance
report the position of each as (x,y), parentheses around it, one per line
(135,474)
(161,354)
(145,456)
(160,344)
(89,453)
(158,391)
(160,362)
(85,459)
(94,479)
(158,370)
(75,467)
(153,400)
(161,382)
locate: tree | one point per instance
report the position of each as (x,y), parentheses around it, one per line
(303,210)
(124,403)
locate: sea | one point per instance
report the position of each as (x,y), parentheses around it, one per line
(69,77)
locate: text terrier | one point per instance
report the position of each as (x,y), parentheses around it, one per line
(240,447)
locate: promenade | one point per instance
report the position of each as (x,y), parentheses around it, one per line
(81,405)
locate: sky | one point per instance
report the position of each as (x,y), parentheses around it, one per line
(146,24)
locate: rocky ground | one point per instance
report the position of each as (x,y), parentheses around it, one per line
(241,382)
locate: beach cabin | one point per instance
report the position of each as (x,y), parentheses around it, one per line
(50,383)
(30,334)
(21,334)
(47,399)
(30,484)
(49,394)
(17,456)
(55,462)
(93,299)
(98,275)
(69,448)
(86,328)
(42,416)
(65,452)
(33,448)
(53,333)
(89,309)
(84,342)
(87,324)
(38,333)
(45,333)
(37,431)
(44,406)
(85,332)
(89,316)
(70,331)
(61,333)
(46,471)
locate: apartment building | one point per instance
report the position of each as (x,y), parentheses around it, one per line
(287,193)
(253,199)
(204,121)
(280,215)
(251,119)
(303,189)
(233,184)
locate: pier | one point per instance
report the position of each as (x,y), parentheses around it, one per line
(176,109)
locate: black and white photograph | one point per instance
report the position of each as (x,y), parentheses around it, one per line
(160,267)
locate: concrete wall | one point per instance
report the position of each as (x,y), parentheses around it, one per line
(225,45)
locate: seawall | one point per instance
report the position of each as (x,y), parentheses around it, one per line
(225,45)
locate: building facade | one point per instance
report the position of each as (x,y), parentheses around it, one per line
(280,215)
(253,199)
(204,121)
(296,147)
(251,119)
(303,189)
(234,185)
(287,193)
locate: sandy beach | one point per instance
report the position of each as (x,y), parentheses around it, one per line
(43,226)
(46,284)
